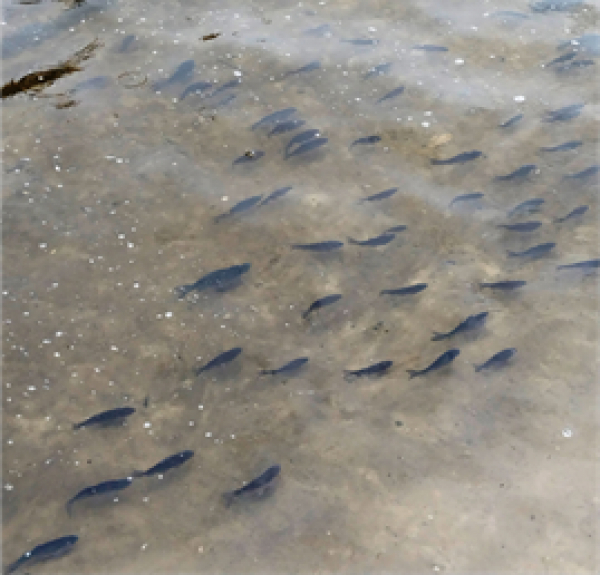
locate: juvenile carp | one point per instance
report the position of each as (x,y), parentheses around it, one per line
(258,487)
(458,159)
(497,360)
(166,464)
(50,550)
(472,323)
(221,359)
(375,369)
(107,417)
(443,360)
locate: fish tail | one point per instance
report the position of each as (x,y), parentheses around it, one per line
(437,336)
(182,290)
(228,498)
(413,373)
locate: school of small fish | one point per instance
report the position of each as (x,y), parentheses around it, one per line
(311,141)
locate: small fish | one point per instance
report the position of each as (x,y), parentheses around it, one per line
(466,197)
(511,121)
(319,31)
(321,303)
(49,550)
(167,463)
(521,227)
(507,285)
(396,229)
(258,487)
(220,279)
(380,195)
(274,118)
(222,358)
(391,94)
(430,48)
(564,114)
(287,126)
(362,41)
(518,174)
(227,86)
(366,141)
(497,360)
(589,43)
(527,207)
(510,14)
(307,147)
(308,68)
(554,5)
(240,207)
(560,59)
(534,252)
(458,159)
(445,359)
(472,323)
(196,88)
(279,193)
(375,369)
(100,489)
(289,367)
(181,74)
(319,246)
(380,240)
(585,265)
(378,70)
(574,65)
(106,417)
(583,174)
(408,290)
(579,211)
(250,156)
(300,138)
(570,145)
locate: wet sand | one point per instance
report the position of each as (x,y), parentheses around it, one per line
(109,204)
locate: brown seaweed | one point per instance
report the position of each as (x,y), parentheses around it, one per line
(37,81)
(211,36)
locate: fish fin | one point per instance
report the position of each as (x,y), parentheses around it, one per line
(413,373)
(437,336)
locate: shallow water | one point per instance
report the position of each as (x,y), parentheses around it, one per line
(110,203)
